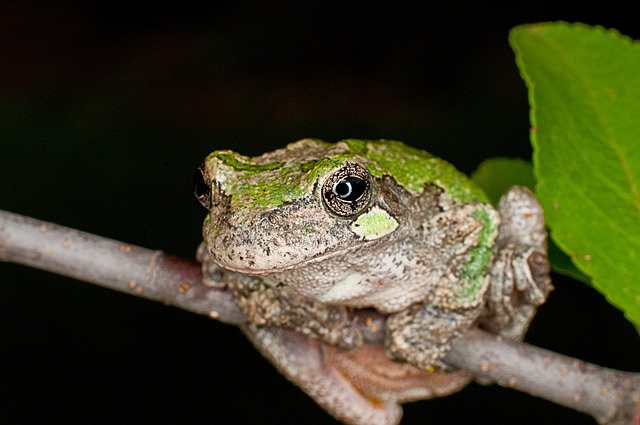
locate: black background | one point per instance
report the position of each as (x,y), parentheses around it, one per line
(106,110)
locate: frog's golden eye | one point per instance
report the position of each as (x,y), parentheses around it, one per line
(201,189)
(347,191)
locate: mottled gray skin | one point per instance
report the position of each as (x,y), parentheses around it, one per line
(421,244)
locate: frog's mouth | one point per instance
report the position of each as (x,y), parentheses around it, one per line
(279,267)
(267,247)
(286,263)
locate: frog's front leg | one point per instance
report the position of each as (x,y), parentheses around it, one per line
(520,274)
(422,334)
(269,305)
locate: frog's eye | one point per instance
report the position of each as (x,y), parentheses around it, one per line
(201,189)
(346,192)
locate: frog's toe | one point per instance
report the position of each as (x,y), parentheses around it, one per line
(520,283)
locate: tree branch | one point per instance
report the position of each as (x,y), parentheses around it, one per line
(610,396)
(116,265)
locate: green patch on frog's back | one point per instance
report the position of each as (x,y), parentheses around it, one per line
(265,194)
(239,162)
(326,165)
(414,168)
(254,193)
(473,273)
(410,167)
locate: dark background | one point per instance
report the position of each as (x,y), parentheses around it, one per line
(106,110)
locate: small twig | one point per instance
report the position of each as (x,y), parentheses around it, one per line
(611,397)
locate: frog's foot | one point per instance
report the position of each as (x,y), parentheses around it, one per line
(358,387)
(422,334)
(520,275)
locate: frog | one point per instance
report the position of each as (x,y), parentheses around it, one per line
(310,236)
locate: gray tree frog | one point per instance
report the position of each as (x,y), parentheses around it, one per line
(306,235)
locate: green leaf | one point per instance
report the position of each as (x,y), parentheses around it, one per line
(495,176)
(584,91)
(561,263)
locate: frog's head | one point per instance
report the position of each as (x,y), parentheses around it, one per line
(308,201)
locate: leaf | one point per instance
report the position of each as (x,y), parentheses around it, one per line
(584,91)
(495,176)
(561,263)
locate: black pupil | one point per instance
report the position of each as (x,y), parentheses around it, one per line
(200,188)
(349,189)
